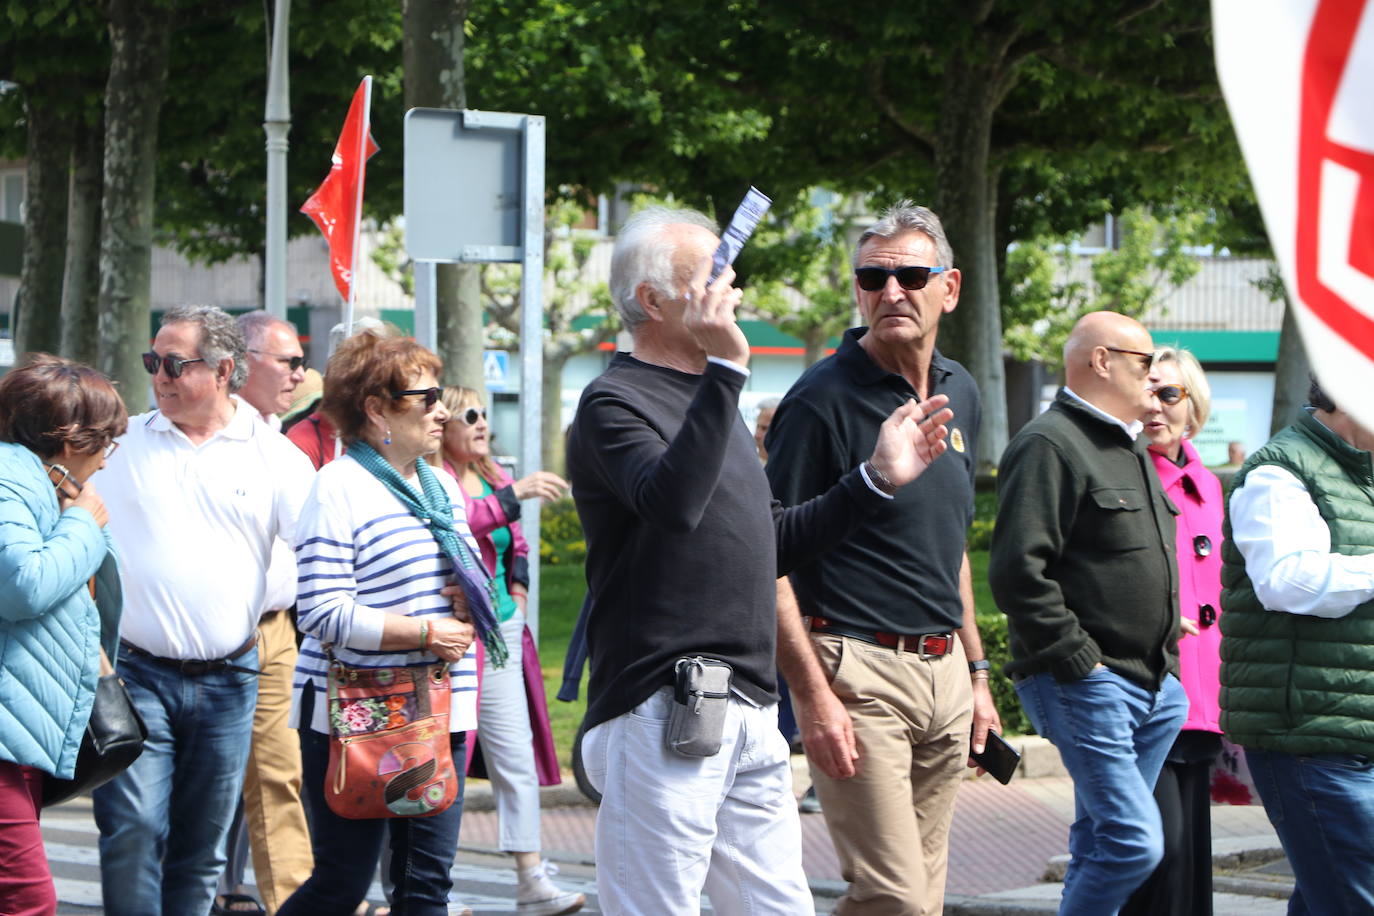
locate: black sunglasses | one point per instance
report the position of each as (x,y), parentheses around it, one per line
(873,279)
(431,395)
(172,365)
(295,362)
(1171,394)
(472,415)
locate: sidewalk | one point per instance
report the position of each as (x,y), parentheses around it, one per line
(1001,844)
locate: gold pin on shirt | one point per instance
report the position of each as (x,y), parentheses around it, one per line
(956,439)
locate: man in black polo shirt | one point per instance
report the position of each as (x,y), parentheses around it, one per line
(893,647)
(684,547)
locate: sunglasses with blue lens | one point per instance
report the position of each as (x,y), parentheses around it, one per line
(911,277)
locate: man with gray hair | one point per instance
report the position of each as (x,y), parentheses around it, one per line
(684,547)
(202,488)
(888,736)
(271,821)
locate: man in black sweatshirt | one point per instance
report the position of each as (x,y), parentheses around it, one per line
(1083,566)
(684,549)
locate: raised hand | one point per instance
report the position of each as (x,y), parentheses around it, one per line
(89,500)
(710,315)
(911,438)
(542,484)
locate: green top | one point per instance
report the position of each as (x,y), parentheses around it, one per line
(1289,682)
(506,607)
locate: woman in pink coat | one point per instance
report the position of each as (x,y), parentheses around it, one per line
(512,716)
(1182,884)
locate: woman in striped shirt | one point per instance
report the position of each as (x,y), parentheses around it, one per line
(389,575)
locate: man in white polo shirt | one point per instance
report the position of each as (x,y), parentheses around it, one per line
(201,488)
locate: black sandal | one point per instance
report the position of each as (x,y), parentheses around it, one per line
(229,900)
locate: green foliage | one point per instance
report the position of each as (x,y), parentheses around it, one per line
(1043,298)
(560,535)
(389,253)
(561,590)
(799,267)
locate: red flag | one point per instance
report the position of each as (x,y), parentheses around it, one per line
(336,205)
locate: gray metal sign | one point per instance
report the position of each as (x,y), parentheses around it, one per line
(474,191)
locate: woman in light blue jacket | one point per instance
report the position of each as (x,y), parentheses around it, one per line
(58,422)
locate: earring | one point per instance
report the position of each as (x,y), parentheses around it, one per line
(386,440)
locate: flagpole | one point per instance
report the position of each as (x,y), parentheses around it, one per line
(363,134)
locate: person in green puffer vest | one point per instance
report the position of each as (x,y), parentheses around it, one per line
(1297,649)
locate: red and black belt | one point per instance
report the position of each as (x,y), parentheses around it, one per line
(926,645)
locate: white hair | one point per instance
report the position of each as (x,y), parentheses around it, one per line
(644,254)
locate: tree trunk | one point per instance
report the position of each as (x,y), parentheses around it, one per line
(814,347)
(1290,373)
(81,291)
(140,35)
(966,200)
(37,320)
(551,451)
(433,58)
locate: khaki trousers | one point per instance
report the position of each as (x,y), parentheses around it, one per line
(890,822)
(277,831)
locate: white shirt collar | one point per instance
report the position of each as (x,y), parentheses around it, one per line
(1132,430)
(240,425)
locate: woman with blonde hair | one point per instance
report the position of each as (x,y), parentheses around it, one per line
(512,720)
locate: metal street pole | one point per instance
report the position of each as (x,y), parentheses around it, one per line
(277,124)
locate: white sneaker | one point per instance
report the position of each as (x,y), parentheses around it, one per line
(538,896)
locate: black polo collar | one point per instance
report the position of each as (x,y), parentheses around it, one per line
(864,371)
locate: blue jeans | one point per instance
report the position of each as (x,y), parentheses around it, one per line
(1322,808)
(1113,736)
(347,850)
(163,821)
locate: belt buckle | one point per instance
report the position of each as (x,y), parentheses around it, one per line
(195,666)
(921,646)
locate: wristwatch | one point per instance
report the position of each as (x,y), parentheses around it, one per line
(981,665)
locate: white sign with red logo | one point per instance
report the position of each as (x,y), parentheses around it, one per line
(1298,76)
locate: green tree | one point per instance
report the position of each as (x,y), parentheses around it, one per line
(578,314)
(1043,300)
(55,54)
(802,281)
(435,78)
(953,104)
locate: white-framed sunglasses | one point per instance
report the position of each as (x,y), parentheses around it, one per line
(472,415)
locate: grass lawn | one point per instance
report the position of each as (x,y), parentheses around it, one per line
(561,590)
(563,586)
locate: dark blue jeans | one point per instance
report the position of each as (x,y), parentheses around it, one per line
(1322,808)
(163,821)
(347,850)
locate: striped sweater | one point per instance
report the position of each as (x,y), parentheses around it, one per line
(361,555)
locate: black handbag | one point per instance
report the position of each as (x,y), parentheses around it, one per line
(114,738)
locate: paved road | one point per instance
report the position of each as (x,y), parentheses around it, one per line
(487,880)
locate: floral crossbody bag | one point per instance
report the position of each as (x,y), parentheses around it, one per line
(389,751)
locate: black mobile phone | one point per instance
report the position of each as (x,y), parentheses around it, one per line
(59,476)
(999,758)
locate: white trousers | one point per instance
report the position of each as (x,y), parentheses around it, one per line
(670,826)
(503,729)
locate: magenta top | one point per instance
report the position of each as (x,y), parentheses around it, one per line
(1197,494)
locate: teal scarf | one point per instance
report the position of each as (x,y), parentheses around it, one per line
(435,510)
